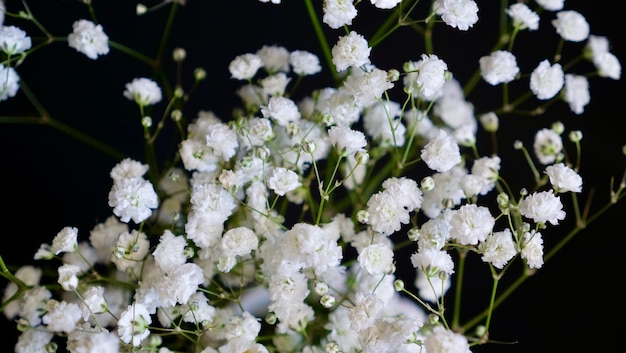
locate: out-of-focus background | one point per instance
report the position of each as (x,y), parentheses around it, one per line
(51,180)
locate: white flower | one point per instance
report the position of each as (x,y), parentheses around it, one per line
(498,67)
(239,241)
(89,39)
(571,25)
(551,5)
(461,14)
(564,178)
(61,316)
(576,92)
(385,4)
(13,40)
(304,63)
(275,84)
(346,140)
(442,152)
(83,341)
(351,50)
(546,80)
(130,249)
(366,86)
(133,198)
(93,301)
(442,340)
(132,326)
(366,310)
(547,145)
(282,110)
(169,253)
(338,13)
(608,65)
(245,66)
(143,91)
(9,82)
(386,215)
(33,340)
(523,17)
(66,240)
(68,276)
(433,261)
(376,259)
(275,58)
(222,139)
(542,207)
(499,248)
(128,168)
(428,74)
(471,224)
(282,180)
(532,249)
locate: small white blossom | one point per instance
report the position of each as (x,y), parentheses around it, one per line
(523,17)
(65,241)
(442,340)
(275,58)
(376,259)
(132,326)
(461,14)
(13,40)
(547,145)
(351,50)
(9,82)
(442,152)
(499,248)
(68,276)
(282,110)
(542,207)
(433,261)
(546,80)
(61,316)
(564,178)
(143,91)
(576,92)
(304,63)
(571,25)
(282,180)
(532,249)
(346,140)
(133,198)
(338,13)
(551,5)
(608,65)
(245,66)
(498,67)
(89,39)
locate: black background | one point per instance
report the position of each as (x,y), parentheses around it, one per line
(51,180)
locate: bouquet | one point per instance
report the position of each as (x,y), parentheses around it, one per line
(343,203)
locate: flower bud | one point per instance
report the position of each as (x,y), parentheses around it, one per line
(327,301)
(427,184)
(146,121)
(398,285)
(141,9)
(576,136)
(179,54)
(362,157)
(413,234)
(490,122)
(199,74)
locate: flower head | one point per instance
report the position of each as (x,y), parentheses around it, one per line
(89,39)
(143,91)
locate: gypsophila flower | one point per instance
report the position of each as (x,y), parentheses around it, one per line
(546,80)
(133,198)
(376,259)
(13,40)
(128,168)
(338,13)
(9,82)
(93,302)
(442,340)
(346,140)
(66,240)
(169,253)
(89,39)
(523,17)
(351,50)
(532,249)
(61,316)
(282,180)
(542,207)
(500,66)
(547,145)
(304,63)
(275,58)
(143,91)
(551,5)
(608,65)
(499,248)
(132,326)
(282,110)
(576,92)
(442,152)
(571,25)
(245,66)
(461,14)
(471,224)
(564,178)
(68,276)
(433,262)
(429,75)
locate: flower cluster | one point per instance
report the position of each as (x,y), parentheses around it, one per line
(281,228)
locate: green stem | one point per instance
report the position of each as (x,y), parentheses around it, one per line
(321,37)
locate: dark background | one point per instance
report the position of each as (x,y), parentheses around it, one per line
(52,181)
